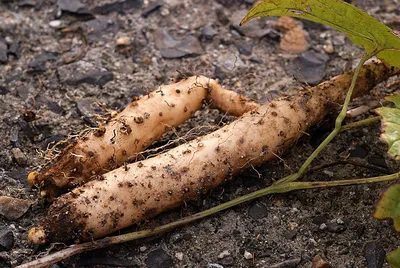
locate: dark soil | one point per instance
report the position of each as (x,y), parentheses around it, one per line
(42,100)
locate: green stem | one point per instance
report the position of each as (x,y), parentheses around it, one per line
(364,122)
(338,124)
(276,188)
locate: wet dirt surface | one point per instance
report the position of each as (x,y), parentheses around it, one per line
(59,57)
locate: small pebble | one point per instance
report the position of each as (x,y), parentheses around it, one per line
(294,210)
(248,256)
(334,227)
(143,249)
(328,173)
(323,226)
(224,254)
(290,234)
(19,157)
(8,40)
(258,211)
(214,265)
(164,12)
(55,23)
(209,32)
(319,262)
(360,151)
(227,261)
(328,47)
(179,256)
(123,41)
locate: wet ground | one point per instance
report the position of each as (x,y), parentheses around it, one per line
(57,58)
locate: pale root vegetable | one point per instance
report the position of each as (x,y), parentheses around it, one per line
(131,131)
(143,189)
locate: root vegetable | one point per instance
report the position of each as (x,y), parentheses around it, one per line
(140,191)
(131,131)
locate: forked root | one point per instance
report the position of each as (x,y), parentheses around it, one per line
(131,131)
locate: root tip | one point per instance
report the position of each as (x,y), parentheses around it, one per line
(37,235)
(32,177)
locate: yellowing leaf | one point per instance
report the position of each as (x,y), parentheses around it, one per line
(389,206)
(395,99)
(391,126)
(393,258)
(360,27)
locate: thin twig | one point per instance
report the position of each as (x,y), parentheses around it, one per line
(275,188)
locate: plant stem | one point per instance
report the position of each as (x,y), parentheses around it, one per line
(338,124)
(276,188)
(364,122)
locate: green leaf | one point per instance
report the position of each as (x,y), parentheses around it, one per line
(391,126)
(393,258)
(395,99)
(389,206)
(360,27)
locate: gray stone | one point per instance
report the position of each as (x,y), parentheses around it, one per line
(360,151)
(377,160)
(6,239)
(5,259)
(158,259)
(97,28)
(118,6)
(3,90)
(334,227)
(3,52)
(374,255)
(43,100)
(244,47)
(40,62)
(14,50)
(214,265)
(258,211)
(252,28)
(19,157)
(229,61)
(84,72)
(172,48)
(87,108)
(152,7)
(73,6)
(13,208)
(309,67)
(209,32)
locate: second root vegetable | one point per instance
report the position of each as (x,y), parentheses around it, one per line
(141,190)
